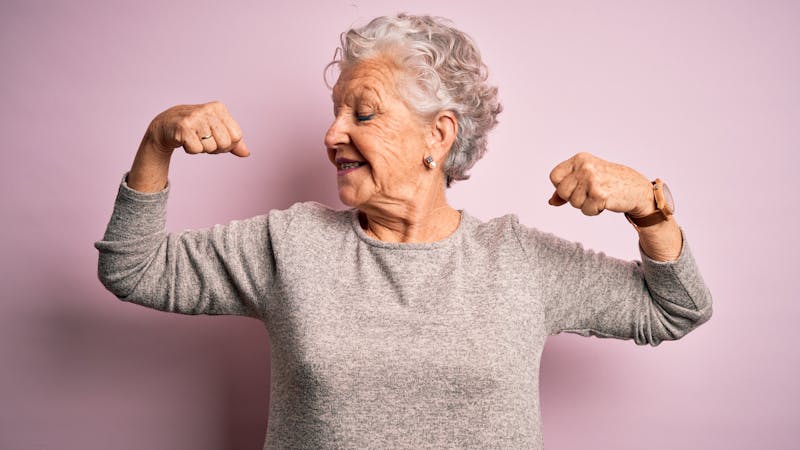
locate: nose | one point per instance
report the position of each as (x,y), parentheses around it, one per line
(337,135)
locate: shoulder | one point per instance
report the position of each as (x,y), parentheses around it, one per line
(508,230)
(308,217)
(493,234)
(498,228)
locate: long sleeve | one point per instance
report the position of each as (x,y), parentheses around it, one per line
(225,269)
(590,293)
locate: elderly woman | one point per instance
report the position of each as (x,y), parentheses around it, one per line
(402,322)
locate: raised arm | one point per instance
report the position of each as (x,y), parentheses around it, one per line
(663,297)
(220,270)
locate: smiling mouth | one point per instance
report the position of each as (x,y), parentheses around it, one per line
(348,165)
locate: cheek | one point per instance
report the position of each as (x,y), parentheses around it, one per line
(393,144)
(375,143)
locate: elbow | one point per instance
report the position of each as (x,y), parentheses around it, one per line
(672,320)
(702,313)
(673,327)
(109,279)
(132,270)
(116,278)
(702,316)
(705,315)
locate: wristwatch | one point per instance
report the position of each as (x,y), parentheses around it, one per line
(665,207)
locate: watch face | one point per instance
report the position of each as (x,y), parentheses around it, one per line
(668,198)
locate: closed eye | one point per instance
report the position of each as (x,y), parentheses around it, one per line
(364,118)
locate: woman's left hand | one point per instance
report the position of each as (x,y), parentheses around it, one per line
(592,185)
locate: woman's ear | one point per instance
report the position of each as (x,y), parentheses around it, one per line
(443,134)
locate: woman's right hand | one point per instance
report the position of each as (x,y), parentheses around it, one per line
(204,128)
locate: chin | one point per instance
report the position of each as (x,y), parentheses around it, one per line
(348,196)
(353,193)
(347,201)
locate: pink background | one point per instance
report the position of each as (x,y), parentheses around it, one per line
(704,94)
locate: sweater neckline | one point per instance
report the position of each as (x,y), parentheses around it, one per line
(448,241)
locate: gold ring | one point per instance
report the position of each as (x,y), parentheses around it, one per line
(208,136)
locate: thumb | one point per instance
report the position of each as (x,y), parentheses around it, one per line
(555,200)
(240,150)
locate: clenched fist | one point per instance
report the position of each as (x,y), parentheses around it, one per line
(592,184)
(204,128)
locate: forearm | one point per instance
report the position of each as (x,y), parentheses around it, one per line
(663,241)
(150,168)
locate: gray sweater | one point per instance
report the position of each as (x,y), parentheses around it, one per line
(389,345)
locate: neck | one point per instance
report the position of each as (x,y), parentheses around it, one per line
(429,220)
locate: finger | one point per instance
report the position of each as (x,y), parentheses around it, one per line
(555,200)
(190,141)
(567,185)
(579,194)
(561,171)
(240,150)
(207,139)
(234,131)
(220,133)
(593,206)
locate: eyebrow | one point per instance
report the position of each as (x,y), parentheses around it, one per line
(367,90)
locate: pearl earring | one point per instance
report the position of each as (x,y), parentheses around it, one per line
(429,162)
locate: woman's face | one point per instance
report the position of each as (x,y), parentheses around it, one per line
(375,141)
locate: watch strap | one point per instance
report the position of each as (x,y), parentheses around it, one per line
(661,214)
(648,220)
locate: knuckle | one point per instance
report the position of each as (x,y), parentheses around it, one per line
(589,165)
(184,123)
(598,192)
(195,116)
(217,107)
(580,157)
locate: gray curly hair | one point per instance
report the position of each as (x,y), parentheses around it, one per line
(449,75)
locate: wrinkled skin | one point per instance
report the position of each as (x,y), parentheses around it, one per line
(402,200)
(593,185)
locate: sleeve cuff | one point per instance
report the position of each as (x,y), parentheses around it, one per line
(137,213)
(132,194)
